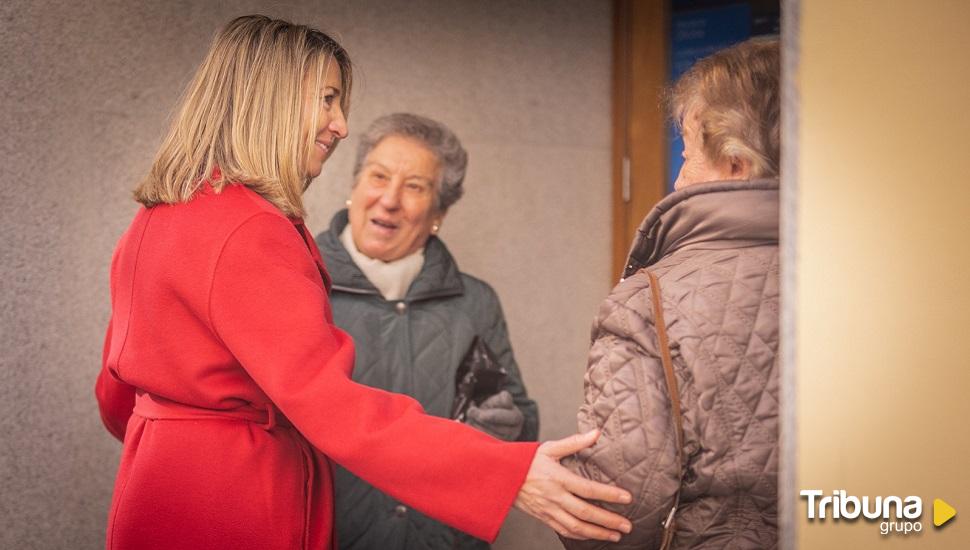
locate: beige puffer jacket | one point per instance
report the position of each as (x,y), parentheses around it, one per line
(714,247)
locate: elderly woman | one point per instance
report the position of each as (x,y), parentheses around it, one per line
(398,292)
(683,373)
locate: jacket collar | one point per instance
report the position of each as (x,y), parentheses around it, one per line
(716,215)
(439,277)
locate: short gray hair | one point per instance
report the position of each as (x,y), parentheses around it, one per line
(737,94)
(438,138)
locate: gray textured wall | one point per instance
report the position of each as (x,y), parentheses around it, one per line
(86,91)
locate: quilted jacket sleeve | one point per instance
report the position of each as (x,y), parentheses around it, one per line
(269,307)
(497,338)
(626,398)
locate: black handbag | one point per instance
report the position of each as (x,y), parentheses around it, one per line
(479,376)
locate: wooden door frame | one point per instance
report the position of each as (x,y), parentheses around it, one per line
(640,69)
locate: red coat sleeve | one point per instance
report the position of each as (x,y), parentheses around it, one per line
(115,398)
(269,307)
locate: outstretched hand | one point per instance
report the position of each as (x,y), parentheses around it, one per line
(551,493)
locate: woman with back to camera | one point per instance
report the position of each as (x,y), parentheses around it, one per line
(223,372)
(413,316)
(686,393)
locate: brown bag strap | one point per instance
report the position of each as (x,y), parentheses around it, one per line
(675,409)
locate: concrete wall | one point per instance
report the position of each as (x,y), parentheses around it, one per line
(87,88)
(883,303)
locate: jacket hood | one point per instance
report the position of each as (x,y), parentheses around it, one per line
(439,276)
(716,215)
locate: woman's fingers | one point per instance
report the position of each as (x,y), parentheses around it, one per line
(575,484)
(557,527)
(575,528)
(550,494)
(543,501)
(594,490)
(595,515)
(569,445)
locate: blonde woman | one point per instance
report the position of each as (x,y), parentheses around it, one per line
(223,373)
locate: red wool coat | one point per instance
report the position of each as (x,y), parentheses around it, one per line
(230,386)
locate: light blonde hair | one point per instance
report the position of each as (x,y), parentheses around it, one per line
(241,115)
(735,93)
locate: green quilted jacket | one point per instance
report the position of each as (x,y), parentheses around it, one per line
(412,346)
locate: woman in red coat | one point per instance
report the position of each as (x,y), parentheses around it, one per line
(223,373)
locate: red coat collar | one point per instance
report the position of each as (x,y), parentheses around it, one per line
(298,223)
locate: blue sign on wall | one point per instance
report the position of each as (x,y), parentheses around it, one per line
(695,34)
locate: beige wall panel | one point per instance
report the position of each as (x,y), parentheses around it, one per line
(86,91)
(883,304)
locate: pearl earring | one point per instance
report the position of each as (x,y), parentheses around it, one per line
(434,229)
(347,202)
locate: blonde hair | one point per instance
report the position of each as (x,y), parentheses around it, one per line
(241,115)
(735,93)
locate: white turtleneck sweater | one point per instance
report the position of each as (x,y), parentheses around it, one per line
(392,278)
